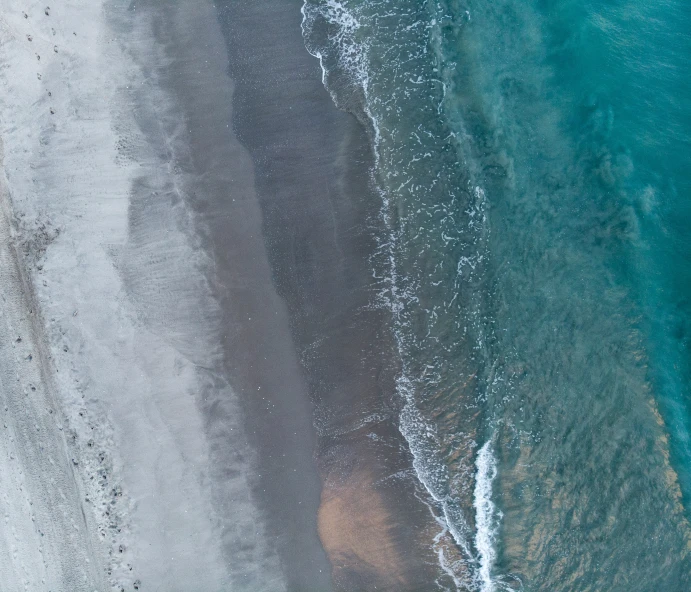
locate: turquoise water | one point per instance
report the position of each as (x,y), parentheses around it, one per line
(533,165)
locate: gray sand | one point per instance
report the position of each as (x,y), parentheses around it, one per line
(97,171)
(46,541)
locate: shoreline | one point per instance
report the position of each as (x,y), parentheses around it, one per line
(320,222)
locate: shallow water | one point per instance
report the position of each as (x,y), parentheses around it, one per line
(531,164)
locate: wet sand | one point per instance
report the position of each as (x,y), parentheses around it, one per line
(259,359)
(312,165)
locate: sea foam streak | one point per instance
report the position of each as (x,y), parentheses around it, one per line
(345,50)
(485,516)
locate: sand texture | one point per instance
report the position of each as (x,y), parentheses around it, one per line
(197,389)
(108,452)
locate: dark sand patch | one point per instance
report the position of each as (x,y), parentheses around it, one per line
(258,359)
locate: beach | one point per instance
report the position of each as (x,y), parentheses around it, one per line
(344,296)
(191,274)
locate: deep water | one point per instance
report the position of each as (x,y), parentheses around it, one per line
(533,165)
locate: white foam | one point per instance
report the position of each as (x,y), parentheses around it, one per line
(348,50)
(485,516)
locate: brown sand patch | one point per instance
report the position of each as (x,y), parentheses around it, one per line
(355,527)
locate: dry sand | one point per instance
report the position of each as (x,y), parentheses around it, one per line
(106,467)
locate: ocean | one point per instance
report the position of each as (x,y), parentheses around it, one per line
(531,166)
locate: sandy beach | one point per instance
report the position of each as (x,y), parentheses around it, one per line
(126,316)
(197,392)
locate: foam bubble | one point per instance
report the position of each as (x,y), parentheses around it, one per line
(485,516)
(334,33)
